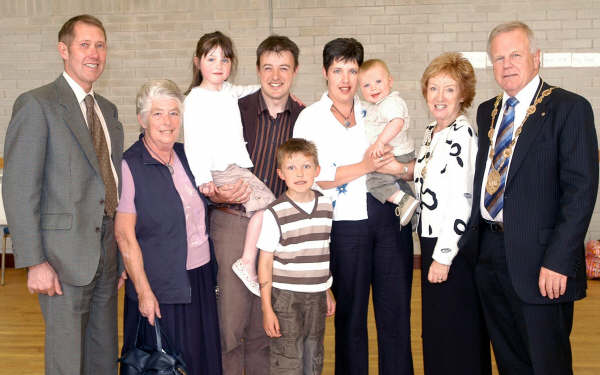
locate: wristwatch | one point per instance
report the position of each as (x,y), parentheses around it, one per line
(404,171)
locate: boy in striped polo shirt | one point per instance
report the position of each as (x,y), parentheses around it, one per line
(293,267)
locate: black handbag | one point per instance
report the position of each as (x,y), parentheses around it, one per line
(145,360)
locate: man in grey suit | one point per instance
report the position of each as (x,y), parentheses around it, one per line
(63,156)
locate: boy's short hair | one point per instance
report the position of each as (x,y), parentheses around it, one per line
(372,63)
(295,146)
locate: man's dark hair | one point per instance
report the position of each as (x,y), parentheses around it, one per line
(67,33)
(277,44)
(342,49)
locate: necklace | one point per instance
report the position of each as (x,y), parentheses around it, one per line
(154,153)
(346,118)
(494,177)
(429,151)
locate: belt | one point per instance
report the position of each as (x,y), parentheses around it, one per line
(231,211)
(494,226)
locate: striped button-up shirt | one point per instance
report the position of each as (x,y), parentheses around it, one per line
(264,134)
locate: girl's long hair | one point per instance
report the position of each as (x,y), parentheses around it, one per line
(207,43)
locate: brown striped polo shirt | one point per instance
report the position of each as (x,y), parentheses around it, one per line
(301,259)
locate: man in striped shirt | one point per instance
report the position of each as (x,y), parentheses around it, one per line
(268,117)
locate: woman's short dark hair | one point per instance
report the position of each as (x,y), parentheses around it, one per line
(277,44)
(207,43)
(344,49)
(459,68)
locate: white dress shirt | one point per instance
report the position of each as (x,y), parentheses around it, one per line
(525,96)
(80,94)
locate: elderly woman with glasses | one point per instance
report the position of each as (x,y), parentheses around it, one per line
(161,230)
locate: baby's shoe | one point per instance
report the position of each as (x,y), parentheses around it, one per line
(406,209)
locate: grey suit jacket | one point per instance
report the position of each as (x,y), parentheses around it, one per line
(52,188)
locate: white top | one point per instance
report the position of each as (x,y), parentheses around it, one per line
(269,232)
(80,94)
(525,96)
(337,146)
(446,193)
(213,134)
(381,113)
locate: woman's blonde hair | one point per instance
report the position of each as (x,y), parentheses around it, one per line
(459,68)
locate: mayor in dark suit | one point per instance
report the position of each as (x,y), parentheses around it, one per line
(63,156)
(536,180)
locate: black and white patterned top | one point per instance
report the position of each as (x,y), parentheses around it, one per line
(446,192)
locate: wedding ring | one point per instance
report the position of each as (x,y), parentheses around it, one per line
(381,158)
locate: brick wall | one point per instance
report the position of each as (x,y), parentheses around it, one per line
(155,39)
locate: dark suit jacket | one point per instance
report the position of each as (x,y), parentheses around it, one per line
(52,188)
(549,195)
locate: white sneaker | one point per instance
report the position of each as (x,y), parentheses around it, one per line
(407,209)
(239,268)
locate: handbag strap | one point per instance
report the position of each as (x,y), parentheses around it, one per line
(159,338)
(181,366)
(158,332)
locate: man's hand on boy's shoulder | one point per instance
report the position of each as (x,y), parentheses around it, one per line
(271,324)
(330,303)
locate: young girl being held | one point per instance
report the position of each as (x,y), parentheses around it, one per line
(214,140)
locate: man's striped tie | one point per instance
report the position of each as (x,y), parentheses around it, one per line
(495,202)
